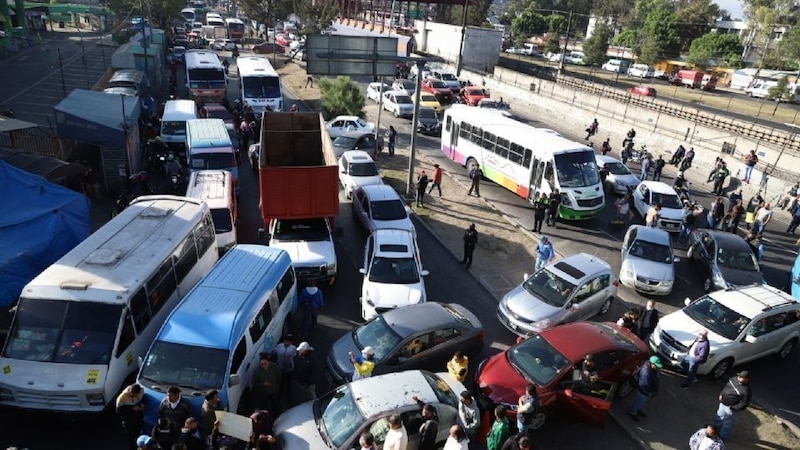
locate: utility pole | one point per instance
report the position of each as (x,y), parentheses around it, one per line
(460,63)
(61,68)
(566,42)
(410,190)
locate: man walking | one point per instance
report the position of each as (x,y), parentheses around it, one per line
(647,321)
(396,437)
(646,163)
(658,166)
(392,135)
(539,211)
(304,388)
(591,130)
(552,209)
(763,217)
(647,388)
(698,354)
(735,397)
(795,220)
(437,180)
(284,356)
(750,161)
(422,183)
(475,174)
(719,179)
(311,301)
(470,241)
(544,253)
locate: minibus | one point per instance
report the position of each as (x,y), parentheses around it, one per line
(215,187)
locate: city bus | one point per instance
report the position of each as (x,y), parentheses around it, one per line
(243,307)
(209,147)
(205,75)
(188,15)
(82,324)
(527,161)
(235,28)
(260,84)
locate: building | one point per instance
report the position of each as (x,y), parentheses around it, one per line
(753,50)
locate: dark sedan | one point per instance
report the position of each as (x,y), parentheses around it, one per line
(422,336)
(725,259)
(357,140)
(428,122)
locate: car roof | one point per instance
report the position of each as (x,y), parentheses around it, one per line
(659,187)
(357,156)
(578,267)
(388,242)
(606,159)
(651,234)
(577,339)
(751,301)
(729,240)
(378,192)
(382,394)
(344,118)
(410,319)
(396,92)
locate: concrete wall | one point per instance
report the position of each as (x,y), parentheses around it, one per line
(481,45)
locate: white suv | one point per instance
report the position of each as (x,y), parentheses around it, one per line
(743,325)
(356,169)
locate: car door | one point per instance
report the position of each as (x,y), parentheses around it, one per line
(588,402)
(764,336)
(707,254)
(641,199)
(630,237)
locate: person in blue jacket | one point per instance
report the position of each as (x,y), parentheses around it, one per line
(311,302)
(647,386)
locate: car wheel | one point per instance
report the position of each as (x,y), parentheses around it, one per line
(708,285)
(470,164)
(719,370)
(538,421)
(606,306)
(396,115)
(787,348)
(625,388)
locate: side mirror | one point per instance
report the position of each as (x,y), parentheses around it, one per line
(750,339)
(362,271)
(675,259)
(687,301)
(424,273)
(234,380)
(568,393)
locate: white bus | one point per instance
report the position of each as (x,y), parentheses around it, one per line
(188,15)
(525,160)
(205,75)
(260,84)
(235,29)
(81,325)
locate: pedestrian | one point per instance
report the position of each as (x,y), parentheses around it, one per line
(591,130)
(131,411)
(678,155)
(311,302)
(756,244)
(588,371)
(625,154)
(422,184)
(752,206)
(429,428)
(795,220)
(736,212)
(261,436)
(457,440)
(458,366)
(762,218)
(716,213)
(697,355)
(526,408)
(646,164)
(363,364)
(539,211)
(629,320)
(475,175)
(552,209)
(469,414)
(544,253)
(606,147)
(284,357)
(623,205)
(165,433)
(629,136)
(706,438)
(500,430)
(651,219)
(750,160)
(391,136)
(789,198)
(367,441)
(719,179)
(658,167)
(519,441)
(714,168)
(145,442)
(397,437)
(735,195)
(437,180)
(265,384)
(305,388)
(686,164)
(309,81)
(470,241)
(647,321)
(735,397)
(647,386)
(244,133)
(175,408)
(190,436)
(208,412)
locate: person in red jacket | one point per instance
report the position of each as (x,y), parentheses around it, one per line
(437,179)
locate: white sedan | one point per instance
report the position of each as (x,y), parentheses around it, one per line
(398,103)
(374,91)
(223,44)
(342,124)
(357,169)
(649,193)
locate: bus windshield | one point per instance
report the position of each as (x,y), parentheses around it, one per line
(211,161)
(206,78)
(63,332)
(577,169)
(175,128)
(261,87)
(186,366)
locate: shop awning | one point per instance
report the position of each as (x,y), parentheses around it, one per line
(51,169)
(8,124)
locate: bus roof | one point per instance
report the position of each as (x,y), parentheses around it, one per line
(211,186)
(233,20)
(182,108)
(255,66)
(223,304)
(207,133)
(122,253)
(202,59)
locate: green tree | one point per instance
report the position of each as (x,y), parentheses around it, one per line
(340,96)
(529,23)
(553,44)
(316,15)
(557,23)
(659,33)
(722,48)
(596,46)
(790,45)
(695,18)
(780,91)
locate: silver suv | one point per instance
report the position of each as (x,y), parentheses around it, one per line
(743,325)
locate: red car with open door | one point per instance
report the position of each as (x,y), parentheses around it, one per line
(552,360)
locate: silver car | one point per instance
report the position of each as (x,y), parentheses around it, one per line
(648,262)
(379,207)
(398,103)
(619,179)
(573,288)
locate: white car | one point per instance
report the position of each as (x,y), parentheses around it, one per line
(342,124)
(619,178)
(398,103)
(649,193)
(448,78)
(374,91)
(379,207)
(309,243)
(615,65)
(407,86)
(357,169)
(393,273)
(576,58)
(223,44)
(648,262)
(743,325)
(641,71)
(555,57)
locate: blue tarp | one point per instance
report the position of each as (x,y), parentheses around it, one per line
(96,117)
(40,222)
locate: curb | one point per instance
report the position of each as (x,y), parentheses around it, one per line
(630,431)
(773,413)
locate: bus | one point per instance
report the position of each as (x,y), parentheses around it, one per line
(235,29)
(188,15)
(243,307)
(82,324)
(527,161)
(173,120)
(205,75)
(209,147)
(260,84)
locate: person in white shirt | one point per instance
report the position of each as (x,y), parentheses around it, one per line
(396,437)
(457,439)
(468,414)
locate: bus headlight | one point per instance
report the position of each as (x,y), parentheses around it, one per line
(565,199)
(96,399)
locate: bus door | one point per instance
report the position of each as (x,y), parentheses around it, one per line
(535,185)
(454,132)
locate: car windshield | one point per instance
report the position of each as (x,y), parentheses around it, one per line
(442,390)
(488,104)
(211,161)
(222,220)
(388,210)
(621,339)
(393,270)
(438,85)
(536,360)
(309,230)
(407,85)
(737,259)
(345,142)
(651,251)
(262,87)
(427,98)
(617,168)
(669,201)
(402,99)
(549,287)
(186,366)
(427,113)
(449,77)
(577,169)
(173,128)
(379,335)
(220,113)
(360,123)
(716,317)
(337,415)
(63,332)
(363,169)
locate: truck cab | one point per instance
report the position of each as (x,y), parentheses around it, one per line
(309,243)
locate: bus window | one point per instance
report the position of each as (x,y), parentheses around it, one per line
(127,335)
(140,311)
(488,142)
(185,257)
(515,153)
(204,234)
(287,281)
(502,147)
(238,356)
(526,161)
(260,323)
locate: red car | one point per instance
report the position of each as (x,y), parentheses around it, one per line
(472,95)
(551,360)
(439,89)
(643,90)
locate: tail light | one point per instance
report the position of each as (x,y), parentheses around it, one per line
(616,283)
(481,334)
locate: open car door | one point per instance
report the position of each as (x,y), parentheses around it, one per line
(588,402)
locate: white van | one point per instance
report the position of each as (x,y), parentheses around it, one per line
(216,188)
(173,121)
(616,65)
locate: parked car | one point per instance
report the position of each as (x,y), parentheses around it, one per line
(648,262)
(268,48)
(393,273)
(429,100)
(661,74)
(179,53)
(357,140)
(619,179)
(472,95)
(407,86)
(357,169)
(337,419)
(448,78)
(552,360)
(374,91)
(439,89)
(428,122)
(223,44)
(342,124)
(725,260)
(555,57)
(573,288)
(423,336)
(379,207)
(398,103)
(646,91)
(615,65)
(649,193)
(641,71)
(576,58)
(253,155)
(743,325)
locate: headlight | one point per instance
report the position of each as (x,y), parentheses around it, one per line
(96,399)
(331,267)
(667,283)
(543,324)
(565,199)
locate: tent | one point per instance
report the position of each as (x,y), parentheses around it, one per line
(41,222)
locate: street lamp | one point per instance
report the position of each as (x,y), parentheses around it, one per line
(460,61)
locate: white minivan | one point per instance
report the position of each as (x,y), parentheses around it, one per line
(216,188)
(173,121)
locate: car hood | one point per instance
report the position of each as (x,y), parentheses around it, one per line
(649,269)
(296,429)
(366,181)
(499,380)
(303,252)
(684,329)
(399,224)
(628,180)
(738,277)
(338,355)
(427,122)
(395,295)
(522,303)
(671,214)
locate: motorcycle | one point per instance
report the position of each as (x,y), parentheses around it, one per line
(638,156)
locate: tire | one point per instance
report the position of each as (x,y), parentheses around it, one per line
(721,368)
(626,388)
(538,421)
(787,348)
(606,306)
(708,285)
(471,162)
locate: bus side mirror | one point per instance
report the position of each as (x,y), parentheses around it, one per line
(234,380)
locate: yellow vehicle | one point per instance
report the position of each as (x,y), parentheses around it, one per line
(429,100)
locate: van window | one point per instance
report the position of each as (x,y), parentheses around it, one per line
(285,285)
(127,335)
(238,356)
(222,220)
(140,311)
(260,323)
